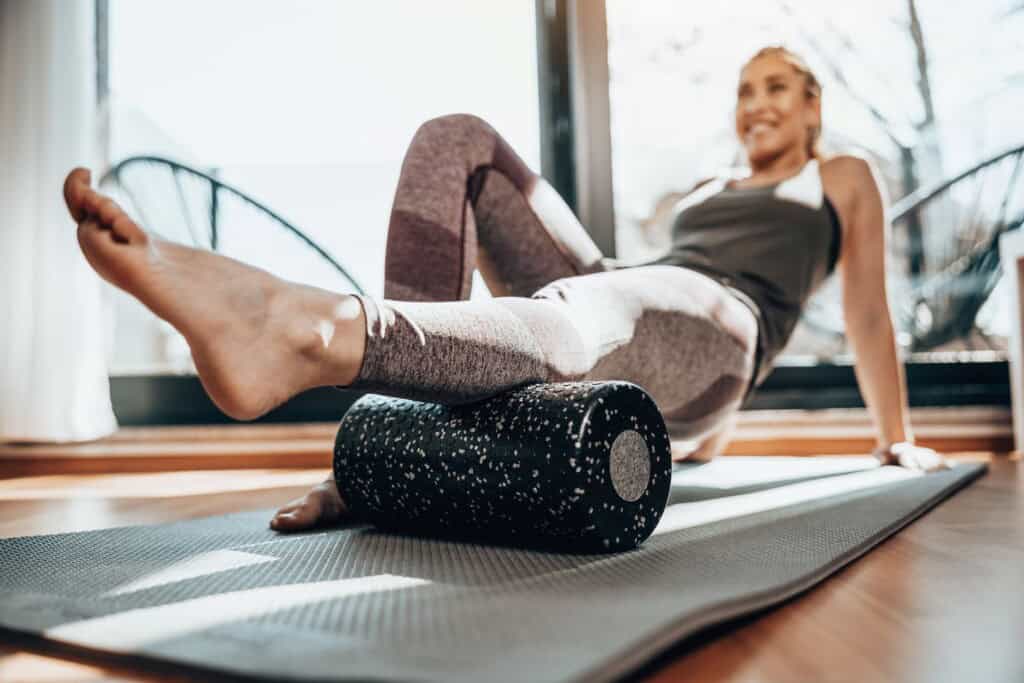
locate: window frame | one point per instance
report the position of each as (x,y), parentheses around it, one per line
(825,385)
(572,63)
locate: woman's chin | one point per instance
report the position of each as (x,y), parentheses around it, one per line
(759,155)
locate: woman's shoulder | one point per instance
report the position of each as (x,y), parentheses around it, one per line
(847,172)
(847,177)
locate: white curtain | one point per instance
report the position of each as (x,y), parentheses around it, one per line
(53,372)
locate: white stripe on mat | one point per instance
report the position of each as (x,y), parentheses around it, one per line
(737,471)
(125,631)
(192,567)
(686,515)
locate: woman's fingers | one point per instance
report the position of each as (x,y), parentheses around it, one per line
(911,456)
(923,459)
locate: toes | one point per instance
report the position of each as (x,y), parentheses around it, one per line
(83,201)
(105,255)
(93,201)
(93,240)
(297,515)
(127,230)
(293,505)
(321,505)
(108,210)
(93,244)
(296,520)
(75,187)
(331,504)
(112,216)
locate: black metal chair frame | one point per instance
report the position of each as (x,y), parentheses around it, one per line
(971,278)
(216,187)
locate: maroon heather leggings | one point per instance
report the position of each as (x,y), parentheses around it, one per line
(560,311)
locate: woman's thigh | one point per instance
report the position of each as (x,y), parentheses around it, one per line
(675,332)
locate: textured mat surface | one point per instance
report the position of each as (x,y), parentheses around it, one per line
(227,594)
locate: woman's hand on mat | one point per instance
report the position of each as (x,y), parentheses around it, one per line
(911,456)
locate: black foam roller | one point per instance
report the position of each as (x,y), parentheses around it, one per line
(581,467)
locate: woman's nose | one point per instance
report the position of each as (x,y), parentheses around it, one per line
(753,104)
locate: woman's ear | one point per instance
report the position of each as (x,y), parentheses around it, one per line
(815,113)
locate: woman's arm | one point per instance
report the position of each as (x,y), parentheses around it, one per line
(866,314)
(868,320)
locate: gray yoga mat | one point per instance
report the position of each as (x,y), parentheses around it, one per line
(226,594)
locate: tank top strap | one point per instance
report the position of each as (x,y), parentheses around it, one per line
(701,194)
(805,187)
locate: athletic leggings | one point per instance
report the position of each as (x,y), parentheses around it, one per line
(560,312)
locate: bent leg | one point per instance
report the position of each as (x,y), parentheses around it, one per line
(465,200)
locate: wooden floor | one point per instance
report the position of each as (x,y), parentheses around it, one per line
(943,600)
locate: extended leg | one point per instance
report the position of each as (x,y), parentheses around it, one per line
(674,332)
(465,199)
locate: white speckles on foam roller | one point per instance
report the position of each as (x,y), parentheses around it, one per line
(512,469)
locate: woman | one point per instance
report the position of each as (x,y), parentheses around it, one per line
(698,328)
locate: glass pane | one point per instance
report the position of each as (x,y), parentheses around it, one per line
(307,107)
(924,90)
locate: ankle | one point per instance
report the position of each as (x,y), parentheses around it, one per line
(351,339)
(330,333)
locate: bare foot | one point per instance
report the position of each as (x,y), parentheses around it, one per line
(322,505)
(256,340)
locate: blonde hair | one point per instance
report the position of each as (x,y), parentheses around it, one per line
(812,88)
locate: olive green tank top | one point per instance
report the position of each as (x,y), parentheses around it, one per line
(771,246)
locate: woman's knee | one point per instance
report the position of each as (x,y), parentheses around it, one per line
(471,142)
(709,444)
(568,355)
(460,126)
(703,414)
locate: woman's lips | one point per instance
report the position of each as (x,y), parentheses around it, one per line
(758,129)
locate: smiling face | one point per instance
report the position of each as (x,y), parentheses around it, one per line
(774,115)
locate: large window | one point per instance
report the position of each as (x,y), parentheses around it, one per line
(926,90)
(308,107)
